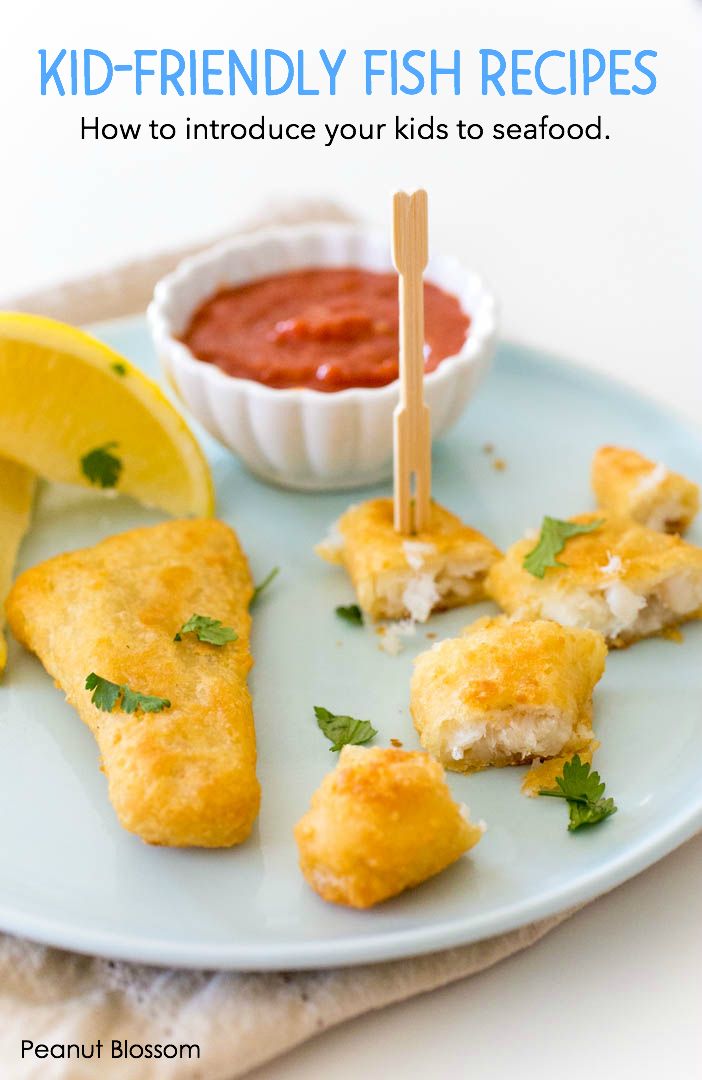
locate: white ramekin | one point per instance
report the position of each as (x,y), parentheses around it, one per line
(304,438)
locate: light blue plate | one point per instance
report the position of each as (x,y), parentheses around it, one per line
(69,875)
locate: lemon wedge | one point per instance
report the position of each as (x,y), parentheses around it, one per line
(16,493)
(75,412)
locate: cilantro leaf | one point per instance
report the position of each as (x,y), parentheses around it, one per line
(106,694)
(101,467)
(132,701)
(343,730)
(208,630)
(578,782)
(264,584)
(351,613)
(554,534)
(581,814)
(583,790)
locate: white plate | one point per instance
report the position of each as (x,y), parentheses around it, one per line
(70,876)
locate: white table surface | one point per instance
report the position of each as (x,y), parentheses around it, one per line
(594,252)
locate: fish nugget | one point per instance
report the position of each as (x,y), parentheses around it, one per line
(627,484)
(185,775)
(382,821)
(505,693)
(398,577)
(622,579)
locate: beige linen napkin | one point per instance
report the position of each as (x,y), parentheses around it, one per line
(238,1020)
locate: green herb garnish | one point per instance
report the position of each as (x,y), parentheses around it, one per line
(351,613)
(554,534)
(258,589)
(584,792)
(133,701)
(101,467)
(106,694)
(208,630)
(343,730)
(119,368)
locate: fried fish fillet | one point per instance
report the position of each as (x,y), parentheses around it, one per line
(623,580)
(17,486)
(505,693)
(383,821)
(397,577)
(628,484)
(185,775)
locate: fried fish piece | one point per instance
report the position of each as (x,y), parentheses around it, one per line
(398,577)
(505,693)
(383,821)
(17,486)
(628,484)
(623,580)
(186,775)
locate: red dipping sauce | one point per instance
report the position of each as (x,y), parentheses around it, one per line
(326,329)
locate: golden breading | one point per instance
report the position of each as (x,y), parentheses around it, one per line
(17,486)
(623,580)
(187,775)
(506,693)
(398,577)
(381,822)
(628,484)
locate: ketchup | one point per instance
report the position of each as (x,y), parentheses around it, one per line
(325,329)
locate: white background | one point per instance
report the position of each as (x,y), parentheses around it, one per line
(593,249)
(590,246)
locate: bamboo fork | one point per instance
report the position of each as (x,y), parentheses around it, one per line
(412,437)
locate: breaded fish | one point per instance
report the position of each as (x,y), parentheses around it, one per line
(17,486)
(185,775)
(628,484)
(623,580)
(382,821)
(505,693)
(397,577)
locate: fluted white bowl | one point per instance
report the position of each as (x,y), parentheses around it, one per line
(303,438)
